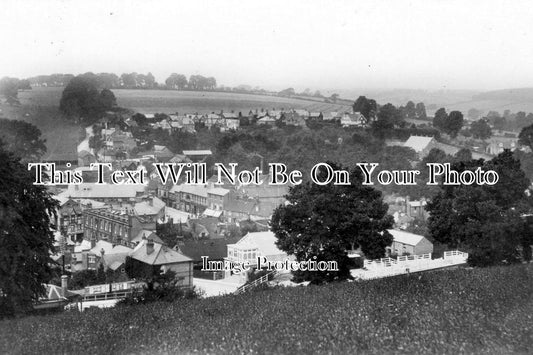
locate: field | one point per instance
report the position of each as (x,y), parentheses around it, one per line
(40,107)
(478,311)
(167,101)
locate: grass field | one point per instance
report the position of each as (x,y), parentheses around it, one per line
(40,107)
(167,101)
(468,311)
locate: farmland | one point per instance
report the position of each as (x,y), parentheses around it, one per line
(453,311)
(170,101)
(40,107)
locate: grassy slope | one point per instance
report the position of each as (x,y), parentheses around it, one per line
(40,107)
(151,101)
(469,311)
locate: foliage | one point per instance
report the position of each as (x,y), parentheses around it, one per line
(23,139)
(322,222)
(9,88)
(472,311)
(481,129)
(367,107)
(448,123)
(26,237)
(166,288)
(84,278)
(82,99)
(526,136)
(486,220)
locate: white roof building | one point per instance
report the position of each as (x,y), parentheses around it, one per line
(254,245)
(418,143)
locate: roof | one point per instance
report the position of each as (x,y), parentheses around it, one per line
(418,143)
(108,248)
(83,246)
(93,190)
(198,190)
(145,234)
(405,237)
(212,213)
(145,208)
(215,249)
(197,152)
(176,215)
(218,191)
(263,241)
(161,254)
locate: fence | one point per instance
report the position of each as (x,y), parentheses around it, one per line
(255,283)
(385,267)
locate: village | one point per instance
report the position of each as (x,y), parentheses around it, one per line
(101,224)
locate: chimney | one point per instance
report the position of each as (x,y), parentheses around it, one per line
(149,246)
(151,201)
(64,285)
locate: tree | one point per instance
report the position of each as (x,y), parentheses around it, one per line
(287,92)
(420,111)
(388,117)
(485,220)
(450,124)
(322,222)
(464,154)
(81,99)
(526,136)
(129,80)
(410,110)
(334,98)
(440,118)
(22,139)
(176,81)
(367,107)
(26,236)
(9,89)
(107,98)
(481,129)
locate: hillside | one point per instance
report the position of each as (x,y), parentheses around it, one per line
(453,311)
(41,108)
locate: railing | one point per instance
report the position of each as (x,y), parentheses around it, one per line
(107,296)
(255,283)
(386,267)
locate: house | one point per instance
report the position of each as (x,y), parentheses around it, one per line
(405,243)
(86,158)
(254,245)
(215,249)
(421,145)
(118,227)
(110,256)
(174,216)
(197,155)
(355,119)
(161,153)
(160,258)
(56,297)
(269,121)
(103,192)
(293,119)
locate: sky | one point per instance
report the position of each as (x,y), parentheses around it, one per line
(431,44)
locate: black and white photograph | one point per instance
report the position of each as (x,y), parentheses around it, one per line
(266,177)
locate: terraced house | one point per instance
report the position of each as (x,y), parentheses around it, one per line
(118,227)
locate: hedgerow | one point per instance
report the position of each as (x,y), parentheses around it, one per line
(454,311)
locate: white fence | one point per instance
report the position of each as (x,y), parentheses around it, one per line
(385,267)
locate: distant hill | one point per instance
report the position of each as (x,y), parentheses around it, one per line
(521,94)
